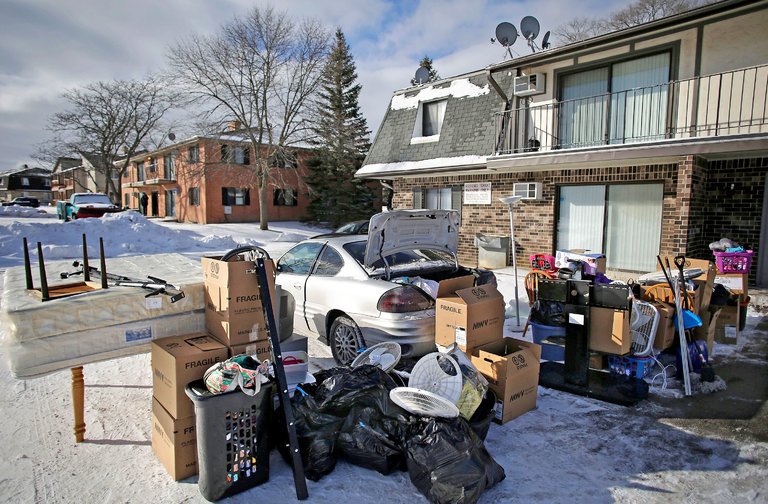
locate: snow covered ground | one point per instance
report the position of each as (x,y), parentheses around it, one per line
(570,449)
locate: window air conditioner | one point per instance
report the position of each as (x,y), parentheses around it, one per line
(527,85)
(528,190)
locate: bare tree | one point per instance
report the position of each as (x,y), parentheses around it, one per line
(261,70)
(108,122)
(638,12)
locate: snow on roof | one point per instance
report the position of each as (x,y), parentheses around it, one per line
(415,166)
(459,88)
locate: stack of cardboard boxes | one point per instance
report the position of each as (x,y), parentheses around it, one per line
(235,324)
(473,318)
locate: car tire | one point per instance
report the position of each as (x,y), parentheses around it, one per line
(345,339)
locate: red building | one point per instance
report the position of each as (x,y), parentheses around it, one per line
(212,179)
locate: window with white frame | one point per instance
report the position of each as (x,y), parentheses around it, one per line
(285,197)
(237,155)
(438,198)
(429,121)
(25,181)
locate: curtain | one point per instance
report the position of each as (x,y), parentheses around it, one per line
(580,223)
(583,108)
(432,120)
(633,230)
(639,99)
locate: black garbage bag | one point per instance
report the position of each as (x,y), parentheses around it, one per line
(370,438)
(548,313)
(338,397)
(317,434)
(448,462)
(483,415)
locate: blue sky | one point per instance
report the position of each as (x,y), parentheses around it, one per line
(48,46)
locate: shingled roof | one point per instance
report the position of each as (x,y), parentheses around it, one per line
(466,137)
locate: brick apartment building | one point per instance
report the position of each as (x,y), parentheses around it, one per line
(648,140)
(208,179)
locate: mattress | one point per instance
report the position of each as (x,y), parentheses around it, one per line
(27,359)
(23,317)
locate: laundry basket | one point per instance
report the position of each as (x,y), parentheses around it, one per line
(232,439)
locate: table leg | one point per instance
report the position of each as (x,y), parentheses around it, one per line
(78,402)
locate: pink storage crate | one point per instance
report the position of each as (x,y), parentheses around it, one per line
(733,262)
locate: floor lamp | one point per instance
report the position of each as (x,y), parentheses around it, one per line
(510,202)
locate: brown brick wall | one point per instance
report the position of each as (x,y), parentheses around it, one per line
(733,208)
(535,220)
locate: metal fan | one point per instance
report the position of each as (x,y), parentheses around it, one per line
(384,355)
(428,374)
(423,403)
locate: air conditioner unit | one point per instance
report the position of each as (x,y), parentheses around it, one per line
(527,85)
(528,190)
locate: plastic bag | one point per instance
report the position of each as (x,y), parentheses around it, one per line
(548,313)
(370,438)
(332,406)
(448,462)
(474,384)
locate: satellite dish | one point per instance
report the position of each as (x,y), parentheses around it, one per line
(422,75)
(171,136)
(530,27)
(545,41)
(506,34)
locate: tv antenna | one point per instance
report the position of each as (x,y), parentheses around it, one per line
(422,75)
(529,27)
(506,34)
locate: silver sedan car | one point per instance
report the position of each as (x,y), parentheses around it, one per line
(354,291)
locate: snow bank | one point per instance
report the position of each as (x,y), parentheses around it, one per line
(20,211)
(124,233)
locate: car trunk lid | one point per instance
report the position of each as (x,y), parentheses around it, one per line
(402,230)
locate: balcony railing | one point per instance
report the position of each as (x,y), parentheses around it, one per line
(730,103)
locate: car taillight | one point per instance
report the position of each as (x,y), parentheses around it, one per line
(404,299)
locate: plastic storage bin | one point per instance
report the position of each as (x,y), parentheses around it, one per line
(232,439)
(549,351)
(733,262)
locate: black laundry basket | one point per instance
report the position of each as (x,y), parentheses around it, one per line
(232,439)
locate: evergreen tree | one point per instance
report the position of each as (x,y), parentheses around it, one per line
(426,62)
(342,140)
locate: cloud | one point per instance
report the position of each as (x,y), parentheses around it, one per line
(48,46)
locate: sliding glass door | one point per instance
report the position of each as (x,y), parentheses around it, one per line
(622,221)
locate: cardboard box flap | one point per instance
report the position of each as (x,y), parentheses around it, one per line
(163,418)
(205,343)
(479,294)
(496,355)
(175,347)
(450,286)
(708,267)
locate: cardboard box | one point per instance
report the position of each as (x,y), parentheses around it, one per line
(178,360)
(470,316)
(737,283)
(592,263)
(512,369)
(609,331)
(263,350)
(704,282)
(233,308)
(174,442)
(665,330)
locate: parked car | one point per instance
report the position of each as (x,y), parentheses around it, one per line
(81,205)
(355,227)
(354,291)
(25,201)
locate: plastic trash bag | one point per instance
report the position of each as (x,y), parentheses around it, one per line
(548,313)
(484,414)
(474,384)
(370,438)
(448,462)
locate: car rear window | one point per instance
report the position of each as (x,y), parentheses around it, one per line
(406,259)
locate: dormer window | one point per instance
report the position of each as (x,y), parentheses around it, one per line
(429,121)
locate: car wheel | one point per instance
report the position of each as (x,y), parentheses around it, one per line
(346,339)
